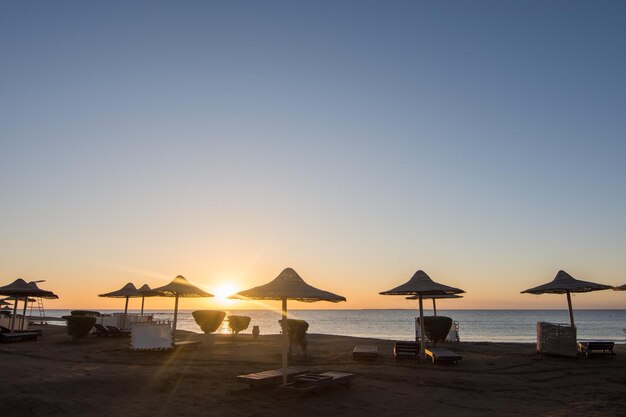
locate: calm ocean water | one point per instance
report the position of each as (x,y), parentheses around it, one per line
(475,325)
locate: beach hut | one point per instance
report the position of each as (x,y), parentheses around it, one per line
(127,291)
(435,297)
(22,289)
(145,291)
(288,285)
(421,285)
(180,287)
(564,283)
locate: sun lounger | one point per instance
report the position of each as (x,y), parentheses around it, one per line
(442,355)
(365,352)
(589,347)
(406,350)
(102,331)
(273,377)
(6,336)
(316,382)
(116,331)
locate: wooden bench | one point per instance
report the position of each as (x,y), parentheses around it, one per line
(442,355)
(406,350)
(273,377)
(603,347)
(365,352)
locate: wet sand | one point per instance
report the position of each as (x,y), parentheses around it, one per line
(56,376)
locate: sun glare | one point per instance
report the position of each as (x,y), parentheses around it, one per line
(222,292)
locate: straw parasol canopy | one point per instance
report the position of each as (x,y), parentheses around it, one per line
(564,283)
(288,285)
(127,291)
(421,285)
(144,292)
(620,288)
(180,287)
(5,303)
(22,289)
(435,297)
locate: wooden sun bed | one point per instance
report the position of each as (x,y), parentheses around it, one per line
(273,377)
(21,336)
(588,347)
(406,350)
(315,382)
(365,352)
(442,355)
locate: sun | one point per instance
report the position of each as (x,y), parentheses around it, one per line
(223,291)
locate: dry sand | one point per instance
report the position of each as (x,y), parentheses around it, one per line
(56,376)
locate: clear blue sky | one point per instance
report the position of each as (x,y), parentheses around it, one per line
(483,142)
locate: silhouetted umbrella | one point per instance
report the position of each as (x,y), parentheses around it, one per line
(144,292)
(434,297)
(22,289)
(5,303)
(288,285)
(620,288)
(422,285)
(127,291)
(564,283)
(180,287)
(48,295)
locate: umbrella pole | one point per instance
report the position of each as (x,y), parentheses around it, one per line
(434,308)
(569,305)
(142,300)
(175,318)
(24,313)
(124,318)
(423,336)
(14,314)
(285,340)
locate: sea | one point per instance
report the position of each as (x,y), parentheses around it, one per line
(474,325)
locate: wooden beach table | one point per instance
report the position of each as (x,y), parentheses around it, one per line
(442,354)
(315,382)
(365,352)
(273,377)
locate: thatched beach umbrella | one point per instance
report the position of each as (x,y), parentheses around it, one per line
(144,292)
(564,283)
(5,303)
(422,285)
(127,291)
(48,295)
(22,289)
(435,297)
(288,285)
(180,287)
(620,288)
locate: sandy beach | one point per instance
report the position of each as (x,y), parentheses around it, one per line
(56,376)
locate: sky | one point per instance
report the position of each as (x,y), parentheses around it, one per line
(354,141)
